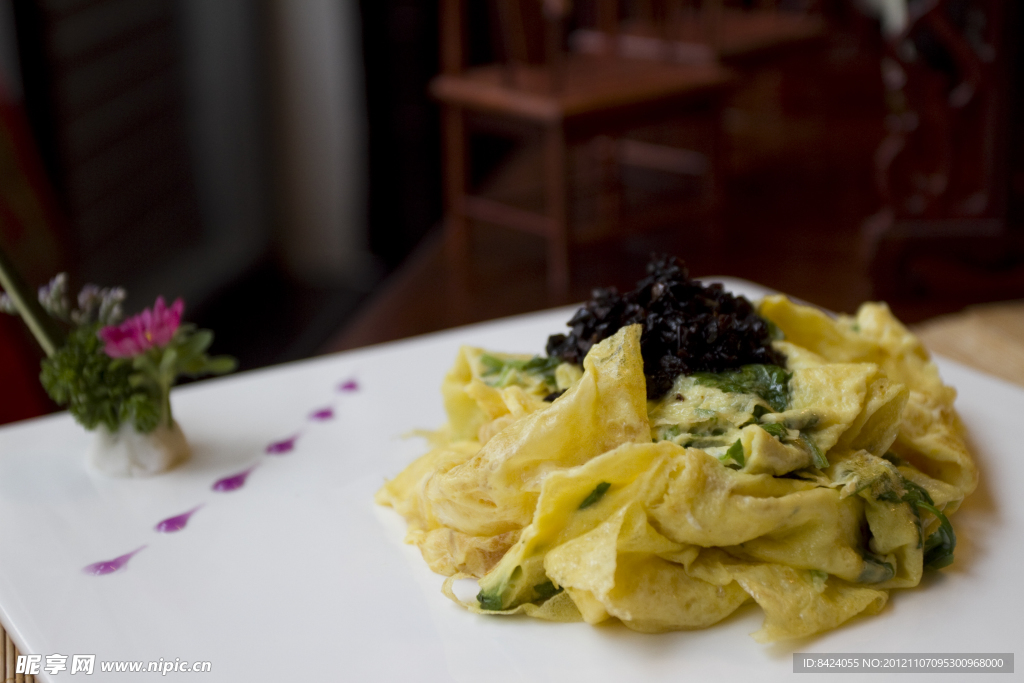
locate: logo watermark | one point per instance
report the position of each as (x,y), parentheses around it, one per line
(896,662)
(87,665)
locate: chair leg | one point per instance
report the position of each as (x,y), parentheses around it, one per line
(456,225)
(555,176)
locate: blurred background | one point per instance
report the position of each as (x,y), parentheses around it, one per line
(319,175)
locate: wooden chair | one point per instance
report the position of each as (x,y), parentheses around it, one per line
(704,31)
(945,171)
(567,97)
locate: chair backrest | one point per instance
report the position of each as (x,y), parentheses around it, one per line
(694,31)
(531,34)
(647,29)
(528,35)
(517,28)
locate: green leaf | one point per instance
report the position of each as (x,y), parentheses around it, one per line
(192,366)
(539,366)
(915,493)
(819,459)
(735,453)
(668,432)
(894,459)
(197,343)
(770,382)
(547,590)
(220,365)
(489,601)
(704,443)
(143,411)
(97,390)
(875,570)
(492,365)
(595,495)
(777,430)
(939,547)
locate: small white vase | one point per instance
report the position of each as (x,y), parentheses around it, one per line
(129,453)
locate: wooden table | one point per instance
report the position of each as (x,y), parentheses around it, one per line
(989,338)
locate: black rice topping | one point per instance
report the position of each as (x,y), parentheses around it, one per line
(687,327)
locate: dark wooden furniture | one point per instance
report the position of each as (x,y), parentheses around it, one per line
(566,98)
(704,31)
(944,169)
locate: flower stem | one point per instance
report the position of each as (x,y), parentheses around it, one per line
(165,399)
(42,326)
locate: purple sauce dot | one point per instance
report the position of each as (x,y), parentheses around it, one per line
(235,481)
(176,523)
(279,447)
(110,566)
(349,385)
(322,414)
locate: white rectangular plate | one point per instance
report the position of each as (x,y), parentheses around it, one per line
(297,575)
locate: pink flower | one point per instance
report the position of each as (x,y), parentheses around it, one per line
(138,334)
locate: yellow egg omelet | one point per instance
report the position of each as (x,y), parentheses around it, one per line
(811,489)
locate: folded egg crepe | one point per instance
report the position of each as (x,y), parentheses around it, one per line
(811,487)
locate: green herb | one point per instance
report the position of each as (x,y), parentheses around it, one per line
(819,459)
(494,588)
(705,443)
(491,364)
(780,432)
(489,601)
(547,590)
(543,367)
(595,495)
(668,432)
(801,420)
(939,546)
(894,459)
(99,389)
(497,370)
(875,570)
(770,382)
(539,364)
(760,411)
(96,388)
(735,453)
(938,549)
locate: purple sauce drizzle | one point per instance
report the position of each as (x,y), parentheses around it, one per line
(176,523)
(349,385)
(235,481)
(322,414)
(279,447)
(110,566)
